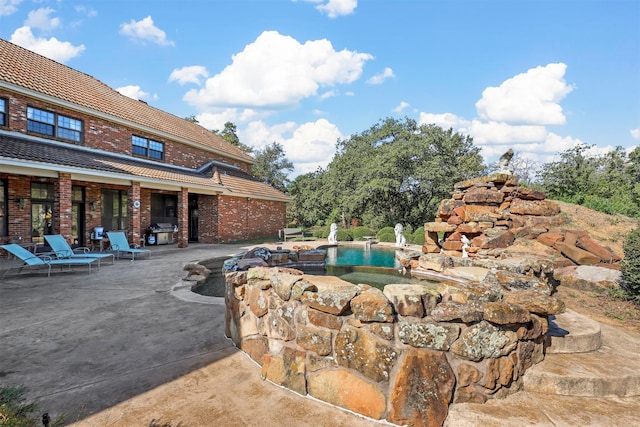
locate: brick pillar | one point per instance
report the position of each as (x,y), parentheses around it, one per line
(63,201)
(133,195)
(183,218)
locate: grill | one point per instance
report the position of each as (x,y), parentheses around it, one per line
(160,233)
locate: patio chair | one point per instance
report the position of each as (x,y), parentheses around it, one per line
(31,260)
(119,244)
(62,250)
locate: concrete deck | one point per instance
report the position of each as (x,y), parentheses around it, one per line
(118,348)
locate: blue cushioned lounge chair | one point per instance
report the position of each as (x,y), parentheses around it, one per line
(31,260)
(120,245)
(62,250)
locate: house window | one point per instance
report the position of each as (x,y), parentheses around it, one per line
(147,148)
(3,112)
(114,210)
(52,124)
(3,209)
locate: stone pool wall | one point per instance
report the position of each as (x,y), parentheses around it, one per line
(403,354)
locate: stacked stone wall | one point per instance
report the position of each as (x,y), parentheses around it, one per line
(491,212)
(402,354)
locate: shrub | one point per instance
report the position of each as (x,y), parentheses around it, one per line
(321,232)
(359,232)
(386,234)
(13,411)
(344,235)
(631,265)
(417,238)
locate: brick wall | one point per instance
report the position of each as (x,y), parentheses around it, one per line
(240,218)
(105,135)
(207,219)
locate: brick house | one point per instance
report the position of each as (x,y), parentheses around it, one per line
(75,155)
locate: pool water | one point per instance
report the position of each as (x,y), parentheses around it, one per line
(358,255)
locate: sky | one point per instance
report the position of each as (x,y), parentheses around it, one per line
(538,76)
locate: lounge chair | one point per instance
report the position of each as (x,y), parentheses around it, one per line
(119,244)
(31,260)
(62,250)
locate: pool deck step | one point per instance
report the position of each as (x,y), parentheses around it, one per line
(571,332)
(613,370)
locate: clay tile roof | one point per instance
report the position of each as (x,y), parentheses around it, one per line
(29,70)
(52,155)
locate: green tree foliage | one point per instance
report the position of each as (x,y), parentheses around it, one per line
(313,201)
(229,134)
(192,119)
(609,183)
(631,265)
(396,171)
(272,165)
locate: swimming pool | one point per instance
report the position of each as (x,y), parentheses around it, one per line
(368,255)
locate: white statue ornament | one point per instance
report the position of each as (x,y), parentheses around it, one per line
(504,161)
(400,239)
(333,234)
(465,244)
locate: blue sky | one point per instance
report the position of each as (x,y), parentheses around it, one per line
(536,76)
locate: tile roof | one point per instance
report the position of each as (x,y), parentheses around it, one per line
(55,155)
(29,70)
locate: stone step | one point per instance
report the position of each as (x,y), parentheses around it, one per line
(542,410)
(611,371)
(571,332)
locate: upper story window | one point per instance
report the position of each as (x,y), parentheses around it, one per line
(52,124)
(3,112)
(147,147)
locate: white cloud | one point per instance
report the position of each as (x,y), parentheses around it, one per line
(9,7)
(145,31)
(503,133)
(89,12)
(543,151)
(51,48)
(133,91)
(445,120)
(381,77)
(531,97)
(401,107)
(328,94)
(277,71)
(40,19)
(635,133)
(308,146)
(213,120)
(192,74)
(335,8)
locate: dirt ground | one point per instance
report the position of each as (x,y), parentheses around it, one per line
(611,231)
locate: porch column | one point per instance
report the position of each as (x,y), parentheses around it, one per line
(133,195)
(183,218)
(63,200)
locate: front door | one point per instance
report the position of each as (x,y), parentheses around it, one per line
(77,216)
(193,217)
(41,221)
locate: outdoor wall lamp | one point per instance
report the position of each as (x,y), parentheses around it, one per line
(22,203)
